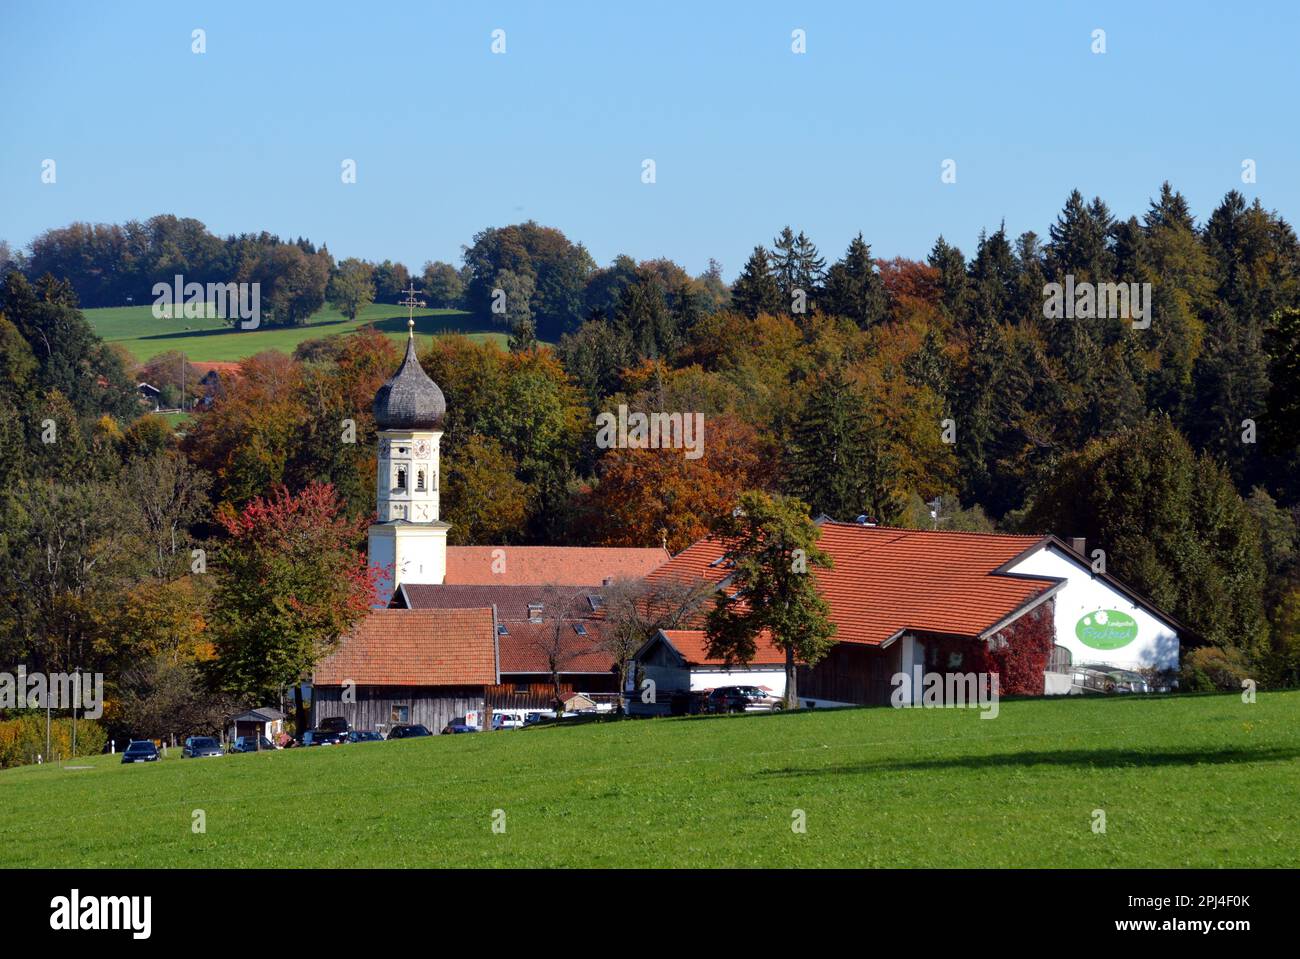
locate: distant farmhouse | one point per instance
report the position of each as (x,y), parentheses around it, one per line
(468,628)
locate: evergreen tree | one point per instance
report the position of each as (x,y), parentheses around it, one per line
(1079,242)
(1282,404)
(756,290)
(953,288)
(837,462)
(1171,524)
(854,288)
(994,279)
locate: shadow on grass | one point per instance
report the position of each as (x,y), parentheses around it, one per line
(434,325)
(1074,758)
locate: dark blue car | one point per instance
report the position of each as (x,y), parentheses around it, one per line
(140,751)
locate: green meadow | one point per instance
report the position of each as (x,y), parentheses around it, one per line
(212,340)
(1183,781)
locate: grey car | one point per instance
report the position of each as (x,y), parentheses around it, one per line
(201,747)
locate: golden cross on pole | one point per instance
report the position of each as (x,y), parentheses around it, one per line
(411,303)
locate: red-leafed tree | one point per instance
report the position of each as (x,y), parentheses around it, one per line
(291,581)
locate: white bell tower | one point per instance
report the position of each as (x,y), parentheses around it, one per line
(408,541)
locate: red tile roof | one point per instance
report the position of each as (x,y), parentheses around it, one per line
(694,647)
(415,647)
(548,565)
(524,649)
(512,602)
(887,580)
(207,366)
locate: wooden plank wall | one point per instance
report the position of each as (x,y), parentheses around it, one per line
(852,674)
(432,706)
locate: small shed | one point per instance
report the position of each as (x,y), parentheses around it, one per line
(264,721)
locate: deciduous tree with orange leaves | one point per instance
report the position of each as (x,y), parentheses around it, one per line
(643,495)
(292,579)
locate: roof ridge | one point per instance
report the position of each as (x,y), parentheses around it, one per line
(950,532)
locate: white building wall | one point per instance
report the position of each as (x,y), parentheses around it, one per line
(1083,597)
(770,678)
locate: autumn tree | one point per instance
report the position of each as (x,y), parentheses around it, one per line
(642,496)
(291,582)
(485,501)
(770,548)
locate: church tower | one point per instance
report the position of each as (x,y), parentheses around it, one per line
(408,540)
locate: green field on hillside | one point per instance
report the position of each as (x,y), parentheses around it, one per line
(1187,781)
(204,340)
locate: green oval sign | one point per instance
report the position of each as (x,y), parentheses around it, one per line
(1106,629)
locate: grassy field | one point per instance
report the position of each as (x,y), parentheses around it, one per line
(1184,781)
(203,340)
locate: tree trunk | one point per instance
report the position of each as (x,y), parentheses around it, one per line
(299,711)
(791,680)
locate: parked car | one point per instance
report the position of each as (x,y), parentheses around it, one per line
(140,751)
(506,721)
(364,736)
(201,747)
(252,744)
(334,724)
(742,699)
(408,731)
(322,737)
(458,725)
(1101,678)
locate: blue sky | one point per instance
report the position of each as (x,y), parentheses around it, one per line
(746,135)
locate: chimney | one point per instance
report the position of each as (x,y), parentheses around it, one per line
(1079,544)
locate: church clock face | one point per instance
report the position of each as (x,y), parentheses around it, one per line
(422,449)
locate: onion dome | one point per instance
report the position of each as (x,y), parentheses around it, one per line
(410,400)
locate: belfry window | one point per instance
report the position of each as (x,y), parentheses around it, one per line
(419,481)
(401,477)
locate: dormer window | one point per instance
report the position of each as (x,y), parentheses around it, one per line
(401,477)
(419,481)
(534,612)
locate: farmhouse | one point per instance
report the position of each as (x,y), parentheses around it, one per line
(461,628)
(944,600)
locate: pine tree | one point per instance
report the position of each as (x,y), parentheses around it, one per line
(1079,242)
(854,288)
(994,279)
(785,265)
(838,462)
(809,268)
(756,290)
(953,287)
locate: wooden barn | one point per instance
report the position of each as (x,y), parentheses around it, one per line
(424,666)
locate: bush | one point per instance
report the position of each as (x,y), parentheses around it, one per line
(1212,668)
(22,739)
